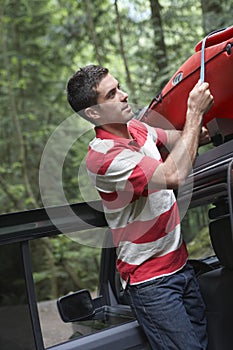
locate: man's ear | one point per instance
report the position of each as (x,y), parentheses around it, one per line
(92,114)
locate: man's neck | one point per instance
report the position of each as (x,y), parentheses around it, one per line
(120,130)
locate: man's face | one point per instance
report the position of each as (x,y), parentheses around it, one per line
(112,102)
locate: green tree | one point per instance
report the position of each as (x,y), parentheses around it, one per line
(160,50)
(31,88)
(42,43)
(216,14)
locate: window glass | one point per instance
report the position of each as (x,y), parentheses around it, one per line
(62,265)
(15,322)
(195,230)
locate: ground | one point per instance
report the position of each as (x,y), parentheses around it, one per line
(54,330)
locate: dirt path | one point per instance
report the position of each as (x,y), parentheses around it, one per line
(54,330)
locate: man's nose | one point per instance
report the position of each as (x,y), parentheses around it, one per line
(123,95)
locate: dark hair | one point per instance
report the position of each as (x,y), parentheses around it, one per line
(82,86)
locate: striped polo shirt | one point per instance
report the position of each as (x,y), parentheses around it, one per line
(145,222)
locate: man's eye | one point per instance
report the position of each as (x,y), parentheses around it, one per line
(112,94)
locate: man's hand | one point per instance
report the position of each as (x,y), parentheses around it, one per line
(199,102)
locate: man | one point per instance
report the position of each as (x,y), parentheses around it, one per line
(136,186)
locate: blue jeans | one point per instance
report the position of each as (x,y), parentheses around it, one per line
(171,311)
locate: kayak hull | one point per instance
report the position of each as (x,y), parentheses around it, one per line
(168,109)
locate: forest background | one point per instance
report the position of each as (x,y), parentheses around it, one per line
(43,43)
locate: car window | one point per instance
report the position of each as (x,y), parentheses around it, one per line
(15,319)
(195,230)
(61,265)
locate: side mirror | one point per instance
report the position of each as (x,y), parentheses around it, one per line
(76,306)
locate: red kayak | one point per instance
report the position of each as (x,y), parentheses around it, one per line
(213,63)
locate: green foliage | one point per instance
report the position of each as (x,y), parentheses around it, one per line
(42,44)
(68,267)
(195,231)
(200,246)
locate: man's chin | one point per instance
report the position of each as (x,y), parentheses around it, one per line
(130,115)
(128,111)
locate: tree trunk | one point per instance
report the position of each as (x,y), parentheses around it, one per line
(212,15)
(160,52)
(123,54)
(92,32)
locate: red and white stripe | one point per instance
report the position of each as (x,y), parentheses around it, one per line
(145,223)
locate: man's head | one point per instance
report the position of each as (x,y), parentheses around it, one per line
(96,95)
(82,87)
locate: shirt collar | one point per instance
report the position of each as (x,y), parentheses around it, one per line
(104,134)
